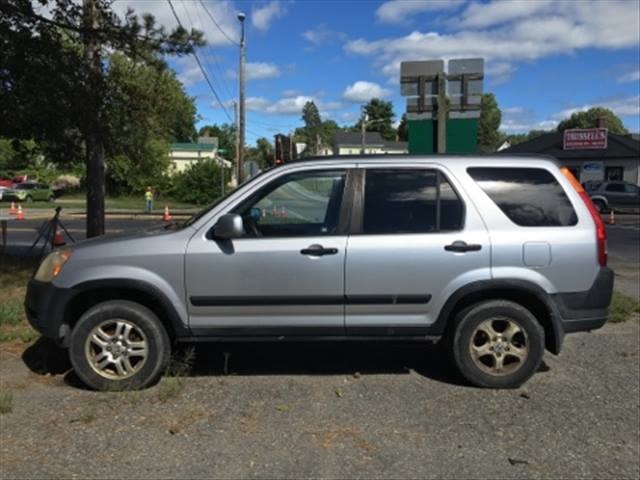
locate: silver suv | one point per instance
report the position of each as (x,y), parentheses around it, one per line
(498,257)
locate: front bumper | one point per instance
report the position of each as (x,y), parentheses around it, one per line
(45,306)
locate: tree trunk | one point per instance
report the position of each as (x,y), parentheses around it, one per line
(93,134)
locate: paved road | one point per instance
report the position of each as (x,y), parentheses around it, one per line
(623,242)
(331,411)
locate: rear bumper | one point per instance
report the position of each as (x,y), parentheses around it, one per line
(583,311)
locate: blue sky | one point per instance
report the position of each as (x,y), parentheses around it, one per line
(544,59)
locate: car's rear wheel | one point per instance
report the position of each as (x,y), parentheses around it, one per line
(497,344)
(119,345)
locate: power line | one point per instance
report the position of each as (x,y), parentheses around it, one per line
(217,25)
(207,58)
(204,73)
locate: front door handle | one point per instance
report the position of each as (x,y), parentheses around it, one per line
(318,250)
(460,246)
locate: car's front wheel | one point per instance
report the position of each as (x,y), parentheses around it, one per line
(119,345)
(497,344)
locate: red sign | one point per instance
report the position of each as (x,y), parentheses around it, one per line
(585,139)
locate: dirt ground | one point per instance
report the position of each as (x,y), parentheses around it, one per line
(330,411)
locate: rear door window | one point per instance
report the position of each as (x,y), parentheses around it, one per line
(529,197)
(400,201)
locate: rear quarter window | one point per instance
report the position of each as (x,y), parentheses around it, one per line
(529,197)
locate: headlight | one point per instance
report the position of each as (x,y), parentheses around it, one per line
(51,267)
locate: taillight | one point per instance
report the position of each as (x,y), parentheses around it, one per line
(601,232)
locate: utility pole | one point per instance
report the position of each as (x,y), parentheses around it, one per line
(363,132)
(235,173)
(442,113)
(241,17)
(92,132)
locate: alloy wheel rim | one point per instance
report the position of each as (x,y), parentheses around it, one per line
(116,349)
(499,346)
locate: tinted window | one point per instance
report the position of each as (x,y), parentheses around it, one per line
(615,187)
(409,201)
(301,204)
(530,197)
(629,188)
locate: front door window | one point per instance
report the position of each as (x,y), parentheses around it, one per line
(299,205)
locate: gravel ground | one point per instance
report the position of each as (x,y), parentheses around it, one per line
(332,411)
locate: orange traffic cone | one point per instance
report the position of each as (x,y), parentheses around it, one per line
(20,213)
(12,210)
(58,241)
(166,216)
(612,217)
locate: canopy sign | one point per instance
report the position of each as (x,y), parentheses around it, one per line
(585,139)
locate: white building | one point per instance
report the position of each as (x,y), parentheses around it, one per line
(184,154)
(350,143)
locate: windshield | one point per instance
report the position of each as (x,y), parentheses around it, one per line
(193,219)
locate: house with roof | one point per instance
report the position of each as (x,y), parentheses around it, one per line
(184,154)
(615,158)
(350,143)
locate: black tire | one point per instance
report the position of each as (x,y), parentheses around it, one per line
(469,327)
(600,206)
(153,335)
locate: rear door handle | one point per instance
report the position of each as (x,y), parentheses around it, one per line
(460,246)
(318,250)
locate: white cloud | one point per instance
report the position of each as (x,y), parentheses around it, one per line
(482,15)
(521,120)
(629,77)
(188,71)
(362,91)
(288,105)
(191,15)
(291,93)
(623,107)
(322,35)
(257,71)
(261,18)
(518,119)
(399,11)
(551,29)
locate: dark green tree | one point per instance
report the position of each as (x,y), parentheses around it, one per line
(312,129)
(589,119)
(489,136)
(201,183)
(403,129)
(379,118)
(226,135)
(53,76)
(146,109)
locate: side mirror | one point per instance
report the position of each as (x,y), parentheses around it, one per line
(228,226)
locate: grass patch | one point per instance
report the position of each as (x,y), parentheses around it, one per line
(11,311)
(14,275)
(6,402)
(169,388)
(119,203)
(622,307)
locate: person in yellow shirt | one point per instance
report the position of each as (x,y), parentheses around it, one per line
(148,200)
